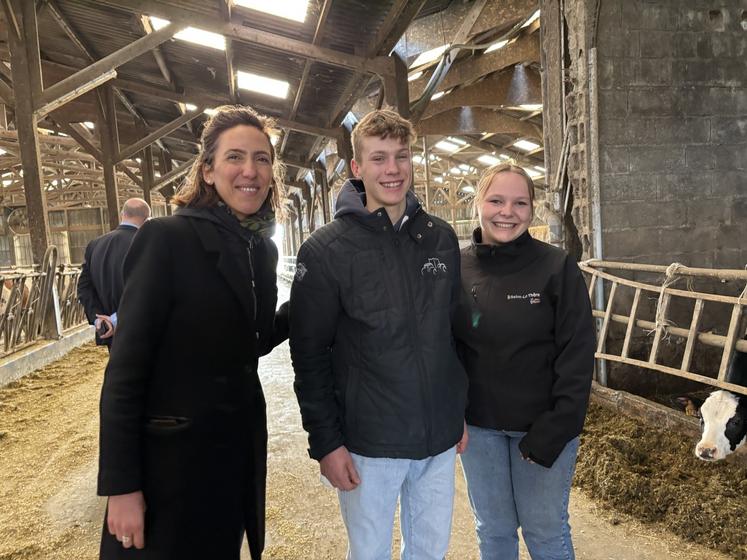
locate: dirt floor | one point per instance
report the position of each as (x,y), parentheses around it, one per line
(48,511)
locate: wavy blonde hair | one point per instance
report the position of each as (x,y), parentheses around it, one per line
(381,123)
(195,192)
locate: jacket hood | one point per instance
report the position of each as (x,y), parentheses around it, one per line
(352,200)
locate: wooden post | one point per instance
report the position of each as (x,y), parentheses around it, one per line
(109,150)
(396,87)
(148,172)
(320,177)
(345,149)
(166,165)
(299,218)
(27,84)
(427,164)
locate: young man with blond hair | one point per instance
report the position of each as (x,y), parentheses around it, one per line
(381,391)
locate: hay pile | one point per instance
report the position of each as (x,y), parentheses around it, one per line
(654,476)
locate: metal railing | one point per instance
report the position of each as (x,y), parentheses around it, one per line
(661,327)
(38,303)
(72,314)
(287,268)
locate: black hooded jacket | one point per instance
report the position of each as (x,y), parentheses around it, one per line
(375,362)
(526,337)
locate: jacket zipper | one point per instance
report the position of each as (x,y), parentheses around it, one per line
(254,294)
(427,403)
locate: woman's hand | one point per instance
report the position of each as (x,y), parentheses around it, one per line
(126,519)
(461,446)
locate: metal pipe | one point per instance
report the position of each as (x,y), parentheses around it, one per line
(595,189)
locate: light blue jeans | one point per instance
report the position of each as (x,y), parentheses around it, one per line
(426,491)
(506,492)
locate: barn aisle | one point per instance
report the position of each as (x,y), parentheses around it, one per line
(48,511)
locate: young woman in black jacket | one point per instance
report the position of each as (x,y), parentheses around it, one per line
(526,338)
(183,439)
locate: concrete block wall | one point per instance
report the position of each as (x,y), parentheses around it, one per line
(672,82)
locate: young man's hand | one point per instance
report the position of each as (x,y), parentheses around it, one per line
(461,445)
(338,468)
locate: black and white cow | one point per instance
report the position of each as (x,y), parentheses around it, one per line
(723,416)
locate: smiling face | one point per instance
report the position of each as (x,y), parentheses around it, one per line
(505,211)
(385,166)
(241,170)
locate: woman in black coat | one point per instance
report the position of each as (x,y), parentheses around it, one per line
(183,438)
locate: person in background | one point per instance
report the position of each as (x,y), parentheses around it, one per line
(100,284)
(526,338)
(183,439)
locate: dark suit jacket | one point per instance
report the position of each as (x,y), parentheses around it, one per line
(100,284)
(182,408)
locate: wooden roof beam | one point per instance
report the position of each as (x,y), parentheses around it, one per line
(77,132)
(239,32)
(461,36)
(397,21)
(226,8)
(508,88)
(474,120)
(524,49)
(307,66)
(129,151)
(65,25)
(64,88)
(174,174)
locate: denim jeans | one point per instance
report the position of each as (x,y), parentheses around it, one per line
(426,491)
(506,492)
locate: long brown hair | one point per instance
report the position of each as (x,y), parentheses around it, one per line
(195,192)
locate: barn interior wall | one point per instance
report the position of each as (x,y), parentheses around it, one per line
(673,131)
(672,147)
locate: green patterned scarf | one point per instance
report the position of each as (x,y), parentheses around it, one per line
(262,222)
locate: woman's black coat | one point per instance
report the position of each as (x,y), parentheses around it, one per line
(182,409)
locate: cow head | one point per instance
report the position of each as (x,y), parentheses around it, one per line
(723,418)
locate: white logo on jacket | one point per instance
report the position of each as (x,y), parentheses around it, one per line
(301,271)
(533,297)
(433,267)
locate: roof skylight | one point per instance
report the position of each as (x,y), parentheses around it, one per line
(496,46)
(526,145)
(429,56)
(533,173)
(294,10)
(262,84)
(446,146)
(487,159)
(193,35)
(534,17)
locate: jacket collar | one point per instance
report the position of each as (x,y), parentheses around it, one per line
(510,249)
(213,242)
(352,202)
